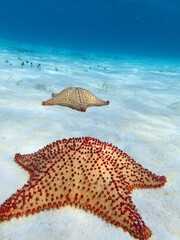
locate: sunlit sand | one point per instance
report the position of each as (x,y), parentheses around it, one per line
(143,119)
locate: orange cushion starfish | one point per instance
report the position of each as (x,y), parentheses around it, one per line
(84,172)
(76,98)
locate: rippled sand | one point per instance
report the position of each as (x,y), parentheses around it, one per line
(143,119)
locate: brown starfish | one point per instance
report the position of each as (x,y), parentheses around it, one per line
(76,98)
(84,172)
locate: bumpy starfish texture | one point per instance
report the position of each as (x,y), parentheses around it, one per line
(87,173)
(75,98)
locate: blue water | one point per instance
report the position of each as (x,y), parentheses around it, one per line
(135,27)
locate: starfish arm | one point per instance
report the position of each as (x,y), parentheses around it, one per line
(40,193)
(36,162)
(130,171)
(58,101)
(28,162)
(117,209)
(92,100)
(32,162)
(51,101)
(126,216)
(65,98)
(22,202)
(98,103)
(143,178)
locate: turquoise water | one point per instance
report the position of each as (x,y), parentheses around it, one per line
(133,27)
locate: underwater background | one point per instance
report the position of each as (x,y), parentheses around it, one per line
(147,28)
(124,51)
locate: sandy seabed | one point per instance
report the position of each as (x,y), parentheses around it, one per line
(143,119)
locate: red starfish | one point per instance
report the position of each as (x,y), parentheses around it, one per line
(83,172)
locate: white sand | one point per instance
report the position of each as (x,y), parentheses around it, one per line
(143,119)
